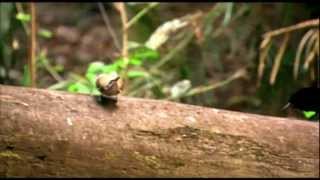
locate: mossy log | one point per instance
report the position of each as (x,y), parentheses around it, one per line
(58,134)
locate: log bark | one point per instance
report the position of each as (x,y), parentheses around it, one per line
(58,134)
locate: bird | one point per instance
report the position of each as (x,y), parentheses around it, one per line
(305,99)
(109,85)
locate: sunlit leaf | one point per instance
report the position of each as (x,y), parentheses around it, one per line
(309,114)
(135,74)
(23,17)
(58,68)
(109,68)
(26,79)
(144,53)
(133,44)
(180,88)
(95,67)
(135,61)
(119,63)
(79,88)
(45,33)
(227,16)
(91,77)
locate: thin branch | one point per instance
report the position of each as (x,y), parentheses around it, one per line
(141,13)
(33,45)
(124,20)
(202,89)
(313,53)
(278,58)
(304,24)
(299,52)
(174,51)
(264,48)
(49,68)
(108,25)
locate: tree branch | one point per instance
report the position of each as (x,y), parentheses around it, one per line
(59,134)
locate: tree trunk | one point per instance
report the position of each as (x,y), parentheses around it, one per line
(58,134)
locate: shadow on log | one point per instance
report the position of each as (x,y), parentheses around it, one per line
(57,134)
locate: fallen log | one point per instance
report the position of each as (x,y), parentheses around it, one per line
(58,134)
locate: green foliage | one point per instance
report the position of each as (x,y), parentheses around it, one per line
(79,88)
(23,17)
(26,79)
(136,74)
(11,21)
(309,114)
(45,33)
(137,57)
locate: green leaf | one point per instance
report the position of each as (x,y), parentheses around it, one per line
(26,79)
(95,92)
(119,63)
(309,114)
(227,16)
(23,17)
(42,59)
(79,88)
(91,77)
(110,68)
(95,68)
(135,61)
(180,88)
(45,33)
(135,74)
(58,68)
(144,53)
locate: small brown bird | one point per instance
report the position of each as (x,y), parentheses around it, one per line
(109,85)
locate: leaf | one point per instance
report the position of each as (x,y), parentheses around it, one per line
(79,88)
(23,17)
(26,80)
(91,77)
(145,53)
(58,68)
(95,92)
(95,67)
(135,61)
(45,33)
(309,114)
(180,88)
(109,68)
(164,31)
(135,74)
(119,63)
(133,45)
(227,16)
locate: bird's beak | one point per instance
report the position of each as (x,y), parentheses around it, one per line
(286,106)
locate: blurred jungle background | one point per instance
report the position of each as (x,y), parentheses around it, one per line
(247,57)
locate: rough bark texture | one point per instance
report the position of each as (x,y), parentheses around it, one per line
(50,133)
